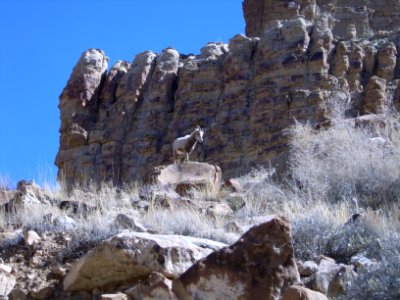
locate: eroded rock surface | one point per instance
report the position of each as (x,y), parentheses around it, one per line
(132,256)
(186,176)
(260,265)
(296,56)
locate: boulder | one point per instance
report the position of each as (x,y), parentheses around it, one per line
(186,176)
(330,278)
(307,268)
(295,292)
(260,265)
(157,287)
(7,283)
(27,193)
(132,256)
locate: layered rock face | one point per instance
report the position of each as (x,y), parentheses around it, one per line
(296,56)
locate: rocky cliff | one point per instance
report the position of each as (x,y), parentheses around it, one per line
(297,54)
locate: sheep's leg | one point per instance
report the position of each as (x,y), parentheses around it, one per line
(178,158)
(187,157)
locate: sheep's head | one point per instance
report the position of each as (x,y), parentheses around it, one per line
(199,132)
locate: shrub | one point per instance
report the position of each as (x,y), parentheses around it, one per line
(344,162)
(323,231)
(381,282)
(311,234)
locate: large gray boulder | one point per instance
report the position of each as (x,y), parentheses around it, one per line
(135,255)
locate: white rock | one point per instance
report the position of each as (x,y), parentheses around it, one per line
(31,238)
(7,283)
(134,255)
(65,222)
(119,296)
(330,278)
(5,268)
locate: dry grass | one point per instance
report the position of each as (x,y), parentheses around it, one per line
(334,173)
(343,162)
(5,182)
(188,222)
(204,194)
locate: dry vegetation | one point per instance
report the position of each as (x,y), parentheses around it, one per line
(334,173)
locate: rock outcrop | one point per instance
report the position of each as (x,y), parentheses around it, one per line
(186,176)
(296,55)
(134,256)
(260,265)
(26,195)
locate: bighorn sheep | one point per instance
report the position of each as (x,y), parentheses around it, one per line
(185,145)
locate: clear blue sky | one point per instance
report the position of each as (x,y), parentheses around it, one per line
(42,40)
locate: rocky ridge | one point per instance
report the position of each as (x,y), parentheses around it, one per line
(297,55)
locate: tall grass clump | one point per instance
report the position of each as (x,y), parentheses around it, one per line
(345,162)
(262,194)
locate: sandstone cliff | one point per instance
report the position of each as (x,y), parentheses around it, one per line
(297,54)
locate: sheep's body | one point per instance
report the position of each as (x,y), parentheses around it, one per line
(185,145)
